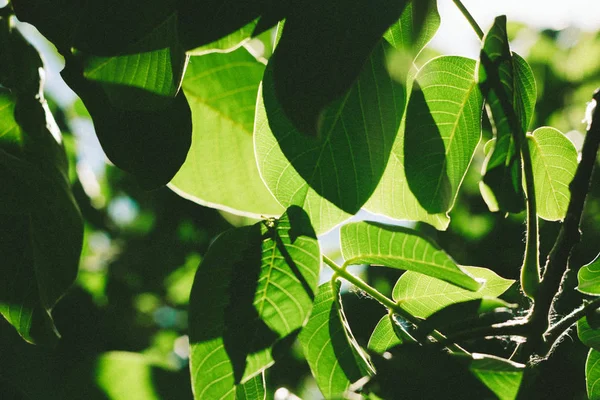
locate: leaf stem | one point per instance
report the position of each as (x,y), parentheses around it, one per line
(469,18)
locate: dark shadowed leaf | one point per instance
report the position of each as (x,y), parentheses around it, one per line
(41,235)
(309,72)
(254,288)
(402,248)
(422,295)
(220,170)
(334,357)
(151,145)
(331,176)
(503,174)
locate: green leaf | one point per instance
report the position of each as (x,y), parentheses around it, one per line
(402,248)
(42,231)
(332,176)
(417,25)
(220,170)
(589,277)
(502,167)
(592,374)
(422,295)
(501,376)
(588,336)
(554,160)
(434,146)
(148,76)
(253,389)
(255,287)
(150,144)
(384,336)
(334,357)
(309,72)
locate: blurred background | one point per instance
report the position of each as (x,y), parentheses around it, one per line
(124,323)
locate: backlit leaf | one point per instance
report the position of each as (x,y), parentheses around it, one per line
(334,357)
(554,160)
(592,374)
(384,336)
(434,146)
(253,389)
(501,376)
(588,336)
(402,248)
(422,295)
(589,277)
(220,170)
(417,25)
(332,176)
(255,287)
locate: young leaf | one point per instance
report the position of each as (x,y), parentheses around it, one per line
(588,336)
(384,336)
(332,176)
(554,160)
(42,230)
(255,287)
(334,357)
(220,170)
(434,146)
(502,167)
(589,277)
(592,374)
(422,295)
(417,25)
(402,248)
(501,376)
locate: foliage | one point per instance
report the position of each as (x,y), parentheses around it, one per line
(290,118)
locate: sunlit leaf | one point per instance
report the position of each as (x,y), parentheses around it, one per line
(331,177)
(220,170)
(422,295)
(434,147)
(384,336)
(502,167)
(254,288)
(417,25)
(501,376)
(588,336)
(253,389)
(589,277)
(592,374)
(402,248)
(334,357)
(42,231)
(554,160)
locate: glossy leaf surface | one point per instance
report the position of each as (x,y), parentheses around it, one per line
(334,357)
(434,146)
(254,288)
(589,278)
(220,170)
(554,160)
(402,248)
(332,176)
(422,295)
